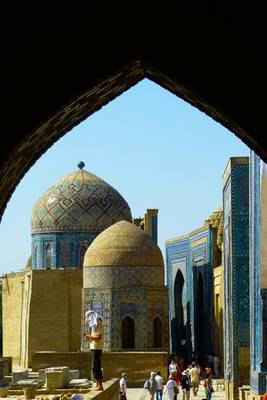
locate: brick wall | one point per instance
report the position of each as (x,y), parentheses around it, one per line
(138,365)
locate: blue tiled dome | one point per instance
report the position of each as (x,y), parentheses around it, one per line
(79,202)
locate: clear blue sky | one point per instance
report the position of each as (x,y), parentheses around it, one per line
(155,149)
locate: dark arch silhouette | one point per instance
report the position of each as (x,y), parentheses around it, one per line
(128,333)
(42,100)
(157,332)
(200,315)
(178,327)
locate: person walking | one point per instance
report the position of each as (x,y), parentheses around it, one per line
(171,389)
(159,390)
(208,383)
(95,336)
(151,385)
(123,386)
(185,386)
(194,373)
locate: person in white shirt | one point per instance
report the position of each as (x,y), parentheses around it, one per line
(171,388)
(173,367)
(96,338)
(123,386)
(159,390)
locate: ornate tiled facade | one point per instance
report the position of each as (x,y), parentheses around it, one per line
(189,265)
(124,278)
(236,271)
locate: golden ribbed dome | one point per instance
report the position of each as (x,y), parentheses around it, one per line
(123,244)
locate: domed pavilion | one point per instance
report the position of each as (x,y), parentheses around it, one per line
(69,216)
(123,280)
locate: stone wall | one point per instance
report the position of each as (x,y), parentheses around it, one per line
(41,312)
(138,365)
(55,311)
(12,303)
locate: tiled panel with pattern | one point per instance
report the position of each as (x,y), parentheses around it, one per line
(119,277)
(79,202)
(236,267)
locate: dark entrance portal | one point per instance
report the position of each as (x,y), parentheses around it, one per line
(157,332)
(200,316)
(128,333)
(180,315)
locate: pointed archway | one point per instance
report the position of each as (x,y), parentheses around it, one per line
(127,333)
(178,326)
(157,332)
(200,315)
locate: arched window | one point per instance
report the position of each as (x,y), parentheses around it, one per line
(127,333)
(82,247)
(157,332)
(35,263)
(48,255)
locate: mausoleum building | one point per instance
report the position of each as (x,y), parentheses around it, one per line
(124,281)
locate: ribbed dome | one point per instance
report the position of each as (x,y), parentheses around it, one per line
(79,202)
(123,244)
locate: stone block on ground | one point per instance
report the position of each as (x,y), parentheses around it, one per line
(19,375)
(24,383)
(80,383)
(54,379)
(65,372)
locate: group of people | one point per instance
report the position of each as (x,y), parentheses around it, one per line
(180,380)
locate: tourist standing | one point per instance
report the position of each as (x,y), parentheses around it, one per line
(194,374)
(208,383)
(173,367)
(159,381)
(95,336)
(123,386)
(184,382)
(171,388)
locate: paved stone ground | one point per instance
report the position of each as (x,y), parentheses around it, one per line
(219,394)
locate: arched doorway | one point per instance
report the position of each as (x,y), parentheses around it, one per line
(179,329)
(157,332)
(128,333)
(200,315)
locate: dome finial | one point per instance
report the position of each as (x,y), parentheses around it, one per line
(81,165)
